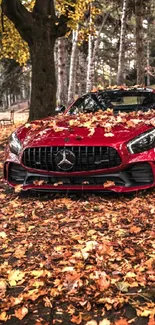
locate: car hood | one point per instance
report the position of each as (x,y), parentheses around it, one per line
(33,135)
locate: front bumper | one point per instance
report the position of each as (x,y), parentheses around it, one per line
(135,176)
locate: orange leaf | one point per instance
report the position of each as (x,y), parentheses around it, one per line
(21,312)
(151,321)
(108,184)
(135,229)
(103,283)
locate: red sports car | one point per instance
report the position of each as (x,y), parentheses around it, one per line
(104,141)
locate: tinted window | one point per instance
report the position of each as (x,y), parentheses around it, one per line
(126,101)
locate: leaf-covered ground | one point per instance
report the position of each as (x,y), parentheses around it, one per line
(86,260)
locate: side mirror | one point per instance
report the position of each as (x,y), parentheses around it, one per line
(60,109)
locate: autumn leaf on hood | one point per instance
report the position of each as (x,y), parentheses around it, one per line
(91,131)
(110,134)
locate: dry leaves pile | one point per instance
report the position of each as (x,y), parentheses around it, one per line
(91,121)
(87,261)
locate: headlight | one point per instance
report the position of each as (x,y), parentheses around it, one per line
(14,144)
(143,142)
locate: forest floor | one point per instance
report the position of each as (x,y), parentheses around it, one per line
(67,259)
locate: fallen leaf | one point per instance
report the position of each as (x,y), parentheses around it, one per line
(109,184)
(2,288)
(20,313)
(15,276)
(151,320)
(18,188)
(3,234)
(3,316)
(135,229)
(103,283)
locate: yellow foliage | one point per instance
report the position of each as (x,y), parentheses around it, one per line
(13,46)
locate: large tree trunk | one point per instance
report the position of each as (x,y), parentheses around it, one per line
(140,58)
(40,29)
(43,95)
(121,59)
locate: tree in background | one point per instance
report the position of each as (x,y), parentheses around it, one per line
(82,60)
(140,54)
(40,28)
(121,58)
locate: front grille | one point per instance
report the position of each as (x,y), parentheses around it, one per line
(86,158)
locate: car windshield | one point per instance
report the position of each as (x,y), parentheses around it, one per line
(123,101)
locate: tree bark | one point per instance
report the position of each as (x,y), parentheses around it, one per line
(95,49)
(43,94)
(81,73)
(121,59)
(90,55)
(62,72)
(72,72)
(140,58)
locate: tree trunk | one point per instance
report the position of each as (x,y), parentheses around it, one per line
(121,59)
(43,94)
(62,72)
(148,55)
(95,49)
(148,62)
(140,58)
(90,67)
(72,72)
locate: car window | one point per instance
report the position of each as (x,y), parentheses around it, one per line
(119,101)
(85,104)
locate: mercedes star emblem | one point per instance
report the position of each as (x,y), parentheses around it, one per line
(65,159)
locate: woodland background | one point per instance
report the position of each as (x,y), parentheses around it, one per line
(107,43)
